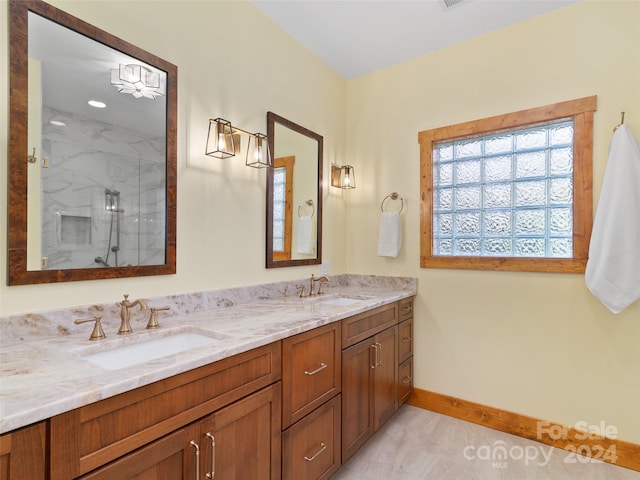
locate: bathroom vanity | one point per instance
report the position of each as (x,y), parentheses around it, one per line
(291,389)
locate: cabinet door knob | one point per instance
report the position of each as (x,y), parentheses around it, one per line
(319,369)
(323,447)
(406,380)
(194,444)
(407,340)
(212,473)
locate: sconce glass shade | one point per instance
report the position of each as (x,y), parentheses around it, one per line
(220,139)
(343,176)
(258,155)
(138,80)
(347,177)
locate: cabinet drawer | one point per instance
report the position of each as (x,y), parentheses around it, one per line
(406,308)
(405,380)
(311,447)
(91,436)
(405,340)
(311,371)
(365,325)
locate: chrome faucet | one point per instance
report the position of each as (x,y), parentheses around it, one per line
(125,305)
(320,281)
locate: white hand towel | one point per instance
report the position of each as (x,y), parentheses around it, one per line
(390,238)
(305,235)
(613,268)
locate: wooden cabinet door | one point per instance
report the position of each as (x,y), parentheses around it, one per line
(242,441)
(357,394)
(164,459)
(385,376)
(310,371)
(22,453)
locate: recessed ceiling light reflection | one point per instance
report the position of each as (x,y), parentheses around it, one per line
(97,104)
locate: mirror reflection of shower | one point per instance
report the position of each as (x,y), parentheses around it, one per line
(112,204)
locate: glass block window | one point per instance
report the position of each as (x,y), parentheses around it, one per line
(511,192)
(282,207)
(279,204)
(507,194)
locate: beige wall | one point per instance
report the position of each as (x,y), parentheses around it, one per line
(536,344)
(235,63)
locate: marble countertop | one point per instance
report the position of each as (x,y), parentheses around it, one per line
(46,377)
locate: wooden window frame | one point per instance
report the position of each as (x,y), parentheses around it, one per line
(287,163)
(581,111)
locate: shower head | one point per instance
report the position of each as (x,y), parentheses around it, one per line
(112,200)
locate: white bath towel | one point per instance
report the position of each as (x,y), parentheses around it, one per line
(305,235)
(613,268)
(390,238)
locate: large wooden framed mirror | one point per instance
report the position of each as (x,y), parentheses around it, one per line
(294,194)
(92,189)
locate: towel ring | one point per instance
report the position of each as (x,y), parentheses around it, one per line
(392,196)
(614,128)
(310,203)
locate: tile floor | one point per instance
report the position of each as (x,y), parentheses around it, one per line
(417,444)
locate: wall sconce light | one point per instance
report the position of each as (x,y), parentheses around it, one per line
(343,176)
(138,80)
(258,151)
(223,141)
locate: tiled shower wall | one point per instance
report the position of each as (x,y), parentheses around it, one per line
(85,158)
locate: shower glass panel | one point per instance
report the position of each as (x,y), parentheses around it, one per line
(113,179)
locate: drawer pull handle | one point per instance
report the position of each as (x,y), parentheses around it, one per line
(323,447)
(319,369)
(377,360)
(212,474)
(408,308)
(194,444)
(406,380)
(407,340)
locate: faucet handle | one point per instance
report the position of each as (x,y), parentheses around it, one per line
(320,282)
(124,302)
(300,289)
(153,316)
(97,333)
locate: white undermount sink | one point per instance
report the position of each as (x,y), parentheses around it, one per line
(145,350)
(340,299)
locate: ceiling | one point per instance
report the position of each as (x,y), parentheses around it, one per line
(76,69)
(356,37)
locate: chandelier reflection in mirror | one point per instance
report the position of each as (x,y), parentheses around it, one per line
(139,81)
(223,141)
